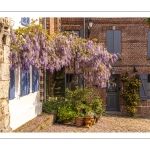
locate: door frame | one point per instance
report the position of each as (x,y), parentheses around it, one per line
(118,93)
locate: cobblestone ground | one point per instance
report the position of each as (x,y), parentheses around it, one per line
(107,123)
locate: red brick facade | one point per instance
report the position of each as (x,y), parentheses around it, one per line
(134,47)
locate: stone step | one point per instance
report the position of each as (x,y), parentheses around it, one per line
(37,123)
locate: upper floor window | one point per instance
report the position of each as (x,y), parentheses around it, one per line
(113,41)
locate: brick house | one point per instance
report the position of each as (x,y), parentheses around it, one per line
(130,37)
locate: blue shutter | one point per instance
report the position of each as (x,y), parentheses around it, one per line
(144,86)
(148,44)
(28,81)
(35,80)
(12,85)
(82,33)
(25,83)
(110,41)
(117,41)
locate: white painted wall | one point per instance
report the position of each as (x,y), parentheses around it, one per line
(23,108)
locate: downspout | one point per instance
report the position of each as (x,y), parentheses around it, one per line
(45,70)
(84,38)
(84,27)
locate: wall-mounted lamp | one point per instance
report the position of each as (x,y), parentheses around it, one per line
(90,23)
(134,69)
(114,27)
(112,70)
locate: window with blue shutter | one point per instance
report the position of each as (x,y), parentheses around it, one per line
(12,85)
(148,44)
(113,41)
(143,91)
(35,80)
(82,33)
(25,83)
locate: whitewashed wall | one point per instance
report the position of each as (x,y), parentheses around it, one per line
(23,108)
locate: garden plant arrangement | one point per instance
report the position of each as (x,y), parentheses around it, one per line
(80,103)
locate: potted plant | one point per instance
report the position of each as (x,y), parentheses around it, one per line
(79,120)
(89,116)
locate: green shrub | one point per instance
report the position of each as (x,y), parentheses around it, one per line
(65,113)
(50,106)
(97,105)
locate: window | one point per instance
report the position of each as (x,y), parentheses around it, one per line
(144,90)
(113,41)
(59,83)
(35,80)
(73,80)
(80,33)
(12,85)
(25,83)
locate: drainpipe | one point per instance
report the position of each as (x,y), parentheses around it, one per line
(84,37)
(84,27)
(44,25)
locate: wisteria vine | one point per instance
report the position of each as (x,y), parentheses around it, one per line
(33,46)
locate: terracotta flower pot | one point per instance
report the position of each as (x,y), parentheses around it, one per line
(87,122)
(79,122)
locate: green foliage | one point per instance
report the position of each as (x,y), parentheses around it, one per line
(78,103)
(130,93)
(97,105)
(50,106)
(80,94)
(66,113)
(83,99)
(148,21)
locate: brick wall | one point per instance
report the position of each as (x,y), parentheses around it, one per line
(134,47)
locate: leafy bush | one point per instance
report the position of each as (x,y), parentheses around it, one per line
(130,93)
(66,113)
(97,105)
(50,106)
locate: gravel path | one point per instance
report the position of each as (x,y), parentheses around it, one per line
(107,123)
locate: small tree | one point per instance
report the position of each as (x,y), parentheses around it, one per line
(130,93)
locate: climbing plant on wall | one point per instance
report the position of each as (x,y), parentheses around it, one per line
(130,94)
(32,45)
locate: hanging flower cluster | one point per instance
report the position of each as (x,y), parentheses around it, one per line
(33,46)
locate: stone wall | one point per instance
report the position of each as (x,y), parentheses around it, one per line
(4,74)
